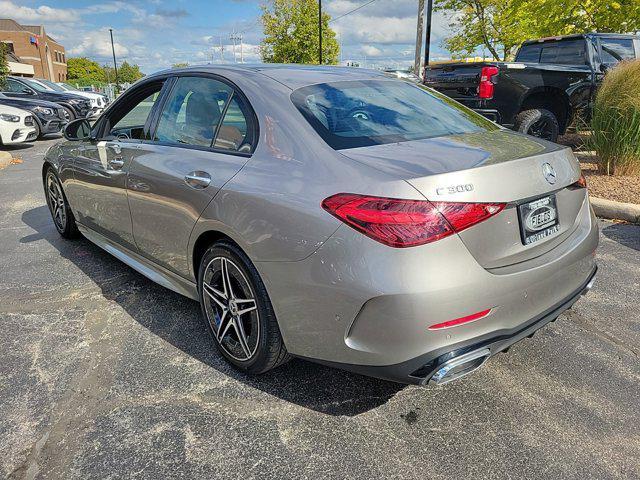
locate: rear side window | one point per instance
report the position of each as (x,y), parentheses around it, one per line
(232,134)
(529,53)
(193,111)
(353,114)
(565,52)
(614,50)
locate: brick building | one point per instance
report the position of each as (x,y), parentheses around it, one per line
(31,45)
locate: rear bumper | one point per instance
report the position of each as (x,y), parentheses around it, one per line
(420,370)
(358,305)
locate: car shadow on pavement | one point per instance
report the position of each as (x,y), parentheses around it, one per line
(623,233)
(178,321)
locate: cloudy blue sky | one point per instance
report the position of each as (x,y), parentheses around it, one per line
(158,33)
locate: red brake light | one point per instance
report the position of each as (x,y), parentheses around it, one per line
(486,86)
(461,320)
(406,223)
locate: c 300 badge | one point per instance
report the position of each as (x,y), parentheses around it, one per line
(453,189)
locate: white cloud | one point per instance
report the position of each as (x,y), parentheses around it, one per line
(38,15)
(97,43)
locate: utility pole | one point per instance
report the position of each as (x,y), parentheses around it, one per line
(221,49)
(418,58)
(115,65)
(320,30)
(427,40)
(237,37)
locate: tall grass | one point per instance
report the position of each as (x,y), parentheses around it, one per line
(616,121)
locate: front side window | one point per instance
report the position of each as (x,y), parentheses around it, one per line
(35,85)
(193,111)
(128,121)
(352,114)
(615,50)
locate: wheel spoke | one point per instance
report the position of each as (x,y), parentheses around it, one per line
(249,305)
(223,328)
(226,281)
(242,337)
(215,294)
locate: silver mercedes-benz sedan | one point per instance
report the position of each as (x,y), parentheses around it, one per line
(332,214)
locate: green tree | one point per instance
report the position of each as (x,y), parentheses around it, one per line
(81,68)
(291,33)
(4,65)
(501,25)
(128,73)
(180,65)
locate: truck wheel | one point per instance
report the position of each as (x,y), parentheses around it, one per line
(538,122)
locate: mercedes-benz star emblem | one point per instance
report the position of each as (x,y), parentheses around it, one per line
(549,173)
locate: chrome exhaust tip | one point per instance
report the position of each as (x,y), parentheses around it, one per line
(458,367)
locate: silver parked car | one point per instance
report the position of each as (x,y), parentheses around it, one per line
(333,214)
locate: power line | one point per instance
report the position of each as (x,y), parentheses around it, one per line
(351,11)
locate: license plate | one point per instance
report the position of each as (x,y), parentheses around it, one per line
(538,219)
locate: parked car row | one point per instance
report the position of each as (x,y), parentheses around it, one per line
(32,107)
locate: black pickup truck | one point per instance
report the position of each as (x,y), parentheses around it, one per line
(550,81)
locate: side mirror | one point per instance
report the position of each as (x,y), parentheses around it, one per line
(79,129)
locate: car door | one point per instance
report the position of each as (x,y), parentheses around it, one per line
(98,193)
(203,136)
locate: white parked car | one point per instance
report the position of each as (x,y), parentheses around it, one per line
(16,125)
(98,101)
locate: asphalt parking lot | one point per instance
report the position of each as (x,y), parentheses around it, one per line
(104,374)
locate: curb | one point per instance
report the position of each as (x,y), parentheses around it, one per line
(5,159)
(629,212)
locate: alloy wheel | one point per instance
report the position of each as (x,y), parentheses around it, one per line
(56,202)
(542,129)
(231,309)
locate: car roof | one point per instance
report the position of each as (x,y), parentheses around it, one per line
(579,35)
(290,75)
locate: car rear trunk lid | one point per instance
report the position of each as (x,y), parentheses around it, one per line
(488,166)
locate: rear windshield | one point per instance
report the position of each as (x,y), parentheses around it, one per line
(563,52)
(361,113)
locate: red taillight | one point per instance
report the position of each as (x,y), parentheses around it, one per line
(406,223)
(461,320)
(485,88)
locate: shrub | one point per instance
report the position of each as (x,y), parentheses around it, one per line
(616,121)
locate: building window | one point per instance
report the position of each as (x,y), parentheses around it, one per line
(9,46)
(63,59)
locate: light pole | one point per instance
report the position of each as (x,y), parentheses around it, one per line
(427,40)
(418,56)
(115,65)
(320,30)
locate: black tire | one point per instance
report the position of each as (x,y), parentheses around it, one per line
(267,348)
(65,224)
(71,113)
(538,122)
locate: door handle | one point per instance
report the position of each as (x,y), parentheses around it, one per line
(197,179)
(116,163)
